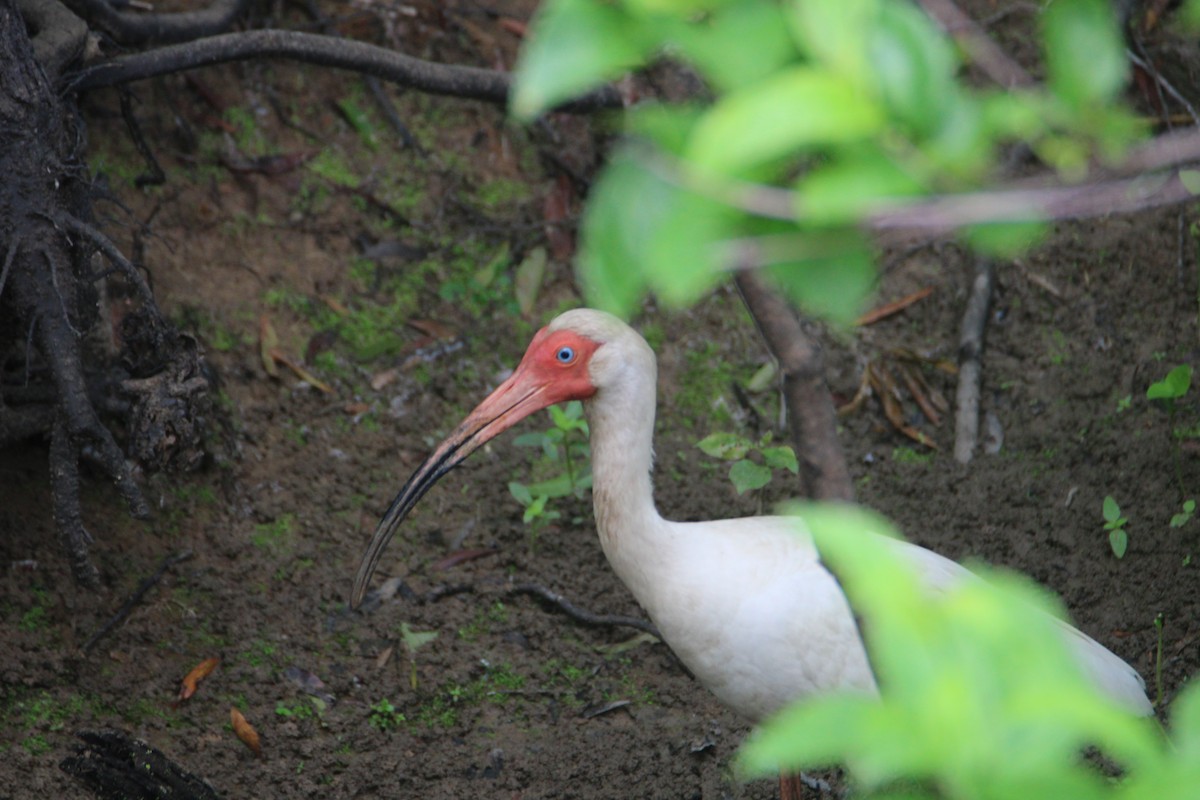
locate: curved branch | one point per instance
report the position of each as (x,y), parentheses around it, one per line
(427,76)
(132,29)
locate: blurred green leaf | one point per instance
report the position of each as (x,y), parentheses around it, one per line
(520,492)
(982,698)
(849,184)
(641,232)
(726,446)
(748,476)
(573,46)
(1005,239)
(914,66)
(834,287)
(833,33)
(794,109)
(738,45)
(1110,509)
(1085,54)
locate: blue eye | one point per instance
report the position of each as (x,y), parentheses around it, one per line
(565,355)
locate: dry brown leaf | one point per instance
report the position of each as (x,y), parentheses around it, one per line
(433,329)
(300,371)
(201,671)
(885,311)
(245,731)
(268,341)
(382,379)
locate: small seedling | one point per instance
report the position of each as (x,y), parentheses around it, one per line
(1114,523)
(749,475)
(1181,519)
(1170,390)
(384,716)
(566,458)
(1158,684)
(414,641)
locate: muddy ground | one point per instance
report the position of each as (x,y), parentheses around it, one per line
(511,698)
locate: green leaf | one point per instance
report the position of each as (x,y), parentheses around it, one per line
(415,640)
(1005,239)
(781,457)
(641,232)
(1112,511)
(573,46)
(748,476)
(738,45)
(783,115)
(1190,179)
(834,33)
(852,183)
(1174,386)
(725,446)
(834,287)
(1085,54)
(520,492)
(913,65)
(763,378)
(1118,540)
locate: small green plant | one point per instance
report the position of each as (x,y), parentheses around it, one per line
(414,641)
(298,710)
(747,474)
(1170,390)
(384,716)
(1114,523)
(1159,623)
(565,461)
(1181,519)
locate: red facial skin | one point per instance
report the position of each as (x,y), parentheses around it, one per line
(553,370)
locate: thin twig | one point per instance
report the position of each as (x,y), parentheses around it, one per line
(135,598)
(577,613)
(970,368)
(978,46)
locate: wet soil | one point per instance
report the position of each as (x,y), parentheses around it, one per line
(511,698)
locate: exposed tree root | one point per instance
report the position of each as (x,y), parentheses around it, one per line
(51,379)
(115,766)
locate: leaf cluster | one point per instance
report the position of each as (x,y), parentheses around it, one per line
(748,475)
(819,114)
(980,697)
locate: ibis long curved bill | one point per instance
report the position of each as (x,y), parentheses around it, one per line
(549,373)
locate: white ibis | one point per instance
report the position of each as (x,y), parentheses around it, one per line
(745,603)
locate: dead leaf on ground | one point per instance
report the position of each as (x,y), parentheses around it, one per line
(382,379)
(300,371)
(433,329)
(245,731)
(268,340)
(530,274)
(463,556)
(890,309)
(191,681)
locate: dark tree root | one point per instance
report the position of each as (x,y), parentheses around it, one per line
(426,76)
(54,380)
(140,28)
(115,766)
